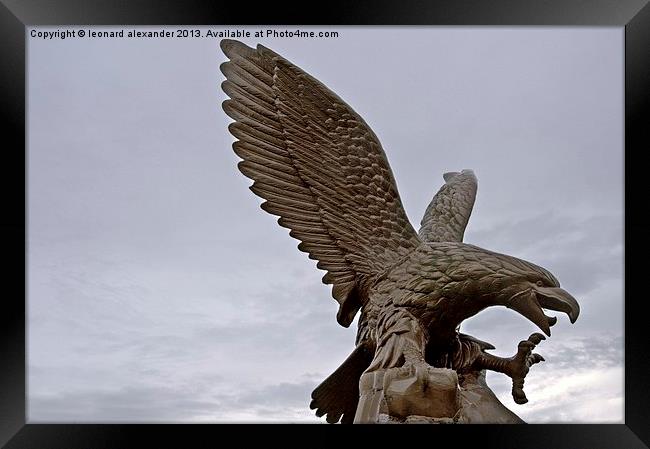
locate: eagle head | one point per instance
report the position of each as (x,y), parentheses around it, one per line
(502,280)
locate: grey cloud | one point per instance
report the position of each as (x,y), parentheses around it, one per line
(586,357)
(136,404)
(589,352)
(582,251)
(130,404)
(292,395)
(586,400)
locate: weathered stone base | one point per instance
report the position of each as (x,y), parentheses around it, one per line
(427,395)
(414,419)
(408,394)
(479,404)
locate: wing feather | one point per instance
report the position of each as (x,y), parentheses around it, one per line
(448,213)
(319,167)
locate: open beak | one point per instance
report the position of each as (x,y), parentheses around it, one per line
(531,302)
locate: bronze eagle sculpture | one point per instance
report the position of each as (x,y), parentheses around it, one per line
(322,170)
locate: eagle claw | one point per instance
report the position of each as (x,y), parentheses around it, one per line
(520,365)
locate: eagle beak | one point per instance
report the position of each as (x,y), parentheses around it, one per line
(530,303)
(555,298)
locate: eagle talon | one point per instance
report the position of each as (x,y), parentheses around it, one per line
(520,365)
(536,338)
(518,391)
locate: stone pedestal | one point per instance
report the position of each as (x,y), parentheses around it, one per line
(427,395)
(479,405)
(421,394)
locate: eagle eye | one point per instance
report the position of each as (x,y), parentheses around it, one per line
(539,283)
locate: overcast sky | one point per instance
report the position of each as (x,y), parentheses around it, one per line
(159,291)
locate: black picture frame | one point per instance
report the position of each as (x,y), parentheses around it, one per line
(16,15)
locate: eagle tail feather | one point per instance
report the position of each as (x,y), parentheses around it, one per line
(338,395)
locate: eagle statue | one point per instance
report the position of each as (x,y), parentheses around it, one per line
(322,170)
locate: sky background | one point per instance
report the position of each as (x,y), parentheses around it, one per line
(159,291)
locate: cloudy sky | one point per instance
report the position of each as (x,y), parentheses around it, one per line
(158,291)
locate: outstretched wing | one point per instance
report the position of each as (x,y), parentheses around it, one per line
(446,217)
(319,167)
